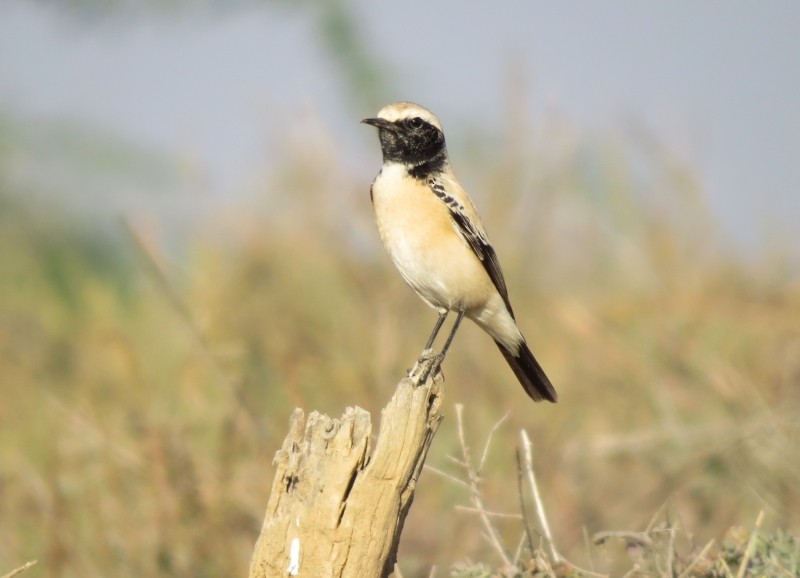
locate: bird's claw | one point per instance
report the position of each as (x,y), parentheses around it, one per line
(429,363)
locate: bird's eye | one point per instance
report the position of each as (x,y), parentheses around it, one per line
(415,122)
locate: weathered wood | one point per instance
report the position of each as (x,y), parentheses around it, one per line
(336,510)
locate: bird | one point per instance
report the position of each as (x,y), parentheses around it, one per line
(434,236)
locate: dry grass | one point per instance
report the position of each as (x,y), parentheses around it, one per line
(143,395)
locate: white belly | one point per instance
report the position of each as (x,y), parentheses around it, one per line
(416,230)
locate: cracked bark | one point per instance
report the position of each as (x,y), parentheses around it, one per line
(337,508)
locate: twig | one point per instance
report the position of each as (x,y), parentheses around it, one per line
(22,568)
(433,572)
(635,537)
(522,508)
(458,462)
(528,454)
(447,476)
(671,551)
(489,440)
(520,544)
(543,561)
(728,573)
(489,513)
(653,520)
(632,571)
(491,533)
(751,545)
(588,546)
(686,530)
(557,558)
(700,556)
(584,570)
(397,573)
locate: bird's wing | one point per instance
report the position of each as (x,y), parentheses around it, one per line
(468,227)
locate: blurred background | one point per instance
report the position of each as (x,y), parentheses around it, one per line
(188,253)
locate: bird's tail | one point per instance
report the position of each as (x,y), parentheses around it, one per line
(529,373)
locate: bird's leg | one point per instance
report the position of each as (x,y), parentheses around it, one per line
(447,343)
(427,354)
(450,337)
(436,360)
(435,332)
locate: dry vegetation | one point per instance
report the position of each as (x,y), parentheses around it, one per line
(145,390)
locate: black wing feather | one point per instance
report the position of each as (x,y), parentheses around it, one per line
(475,238)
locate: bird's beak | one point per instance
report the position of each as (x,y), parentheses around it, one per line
(380,123)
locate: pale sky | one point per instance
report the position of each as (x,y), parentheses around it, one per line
(719,81)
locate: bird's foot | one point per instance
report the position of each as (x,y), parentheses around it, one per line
(429,363)
(423,358)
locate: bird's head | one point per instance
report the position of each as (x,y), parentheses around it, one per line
(410,135)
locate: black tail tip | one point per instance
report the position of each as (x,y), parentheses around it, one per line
(530,374)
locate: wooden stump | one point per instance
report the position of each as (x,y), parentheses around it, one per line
(336,510)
